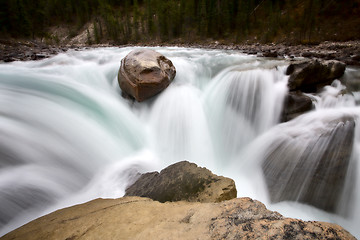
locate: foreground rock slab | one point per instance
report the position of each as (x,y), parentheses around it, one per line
(183,181)
(142,218)
(144,73)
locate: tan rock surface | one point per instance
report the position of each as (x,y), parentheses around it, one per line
(142,218)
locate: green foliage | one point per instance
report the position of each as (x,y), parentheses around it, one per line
(89,41)
(96,33)
(131,21)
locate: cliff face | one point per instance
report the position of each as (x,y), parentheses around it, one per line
(142,218)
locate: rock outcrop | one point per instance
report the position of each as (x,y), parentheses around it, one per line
(310,167)
(144,73)
(183,181)
(142,218)
(295,104)
(310,76)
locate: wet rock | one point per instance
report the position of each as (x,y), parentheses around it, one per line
(295,104)
(272,54)
(356,57)
(9,59)
(310,76)
(311,167)
(38,56)
(25,51)
(183,181)
(307,54)
(142,218)
(144,73)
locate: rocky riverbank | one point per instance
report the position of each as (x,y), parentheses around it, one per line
(143,218)
(347,52)
(11,50)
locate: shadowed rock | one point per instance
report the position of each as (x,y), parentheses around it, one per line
(310,76)
(295,104)
(183,181)
(311,167)
(144,73)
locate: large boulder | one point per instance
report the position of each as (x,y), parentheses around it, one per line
(295,104)
(310,166)
(183,181)
(144,73)
(310,76)
(142,218)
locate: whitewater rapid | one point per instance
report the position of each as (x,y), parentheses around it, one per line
(67,136)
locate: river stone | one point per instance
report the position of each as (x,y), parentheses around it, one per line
(183,181)
(144,73)
(310,76)
(143,218)
(317,177)
(295,104)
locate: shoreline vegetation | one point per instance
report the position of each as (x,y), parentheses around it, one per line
(269,28)
(122,22)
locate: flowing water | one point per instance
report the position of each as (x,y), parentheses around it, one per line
(67,136)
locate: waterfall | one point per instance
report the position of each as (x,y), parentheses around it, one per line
(237,102)
(67,136)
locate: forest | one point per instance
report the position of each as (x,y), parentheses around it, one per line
(183,21)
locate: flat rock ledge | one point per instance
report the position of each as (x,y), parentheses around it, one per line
(143,218)
(183,181)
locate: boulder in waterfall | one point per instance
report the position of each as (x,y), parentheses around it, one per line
(144,73)
(311,167)
(183,181)
(311,75)
(143,218)
(295,104)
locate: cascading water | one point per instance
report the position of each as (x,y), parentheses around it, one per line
(67,135)
(241,104)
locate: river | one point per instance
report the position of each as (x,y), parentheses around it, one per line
(67,136)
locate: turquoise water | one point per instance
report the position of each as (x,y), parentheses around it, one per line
(67,136)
